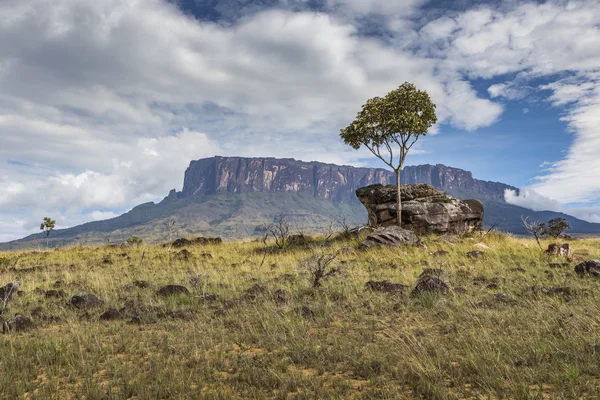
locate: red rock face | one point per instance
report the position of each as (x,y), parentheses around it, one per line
(324,181)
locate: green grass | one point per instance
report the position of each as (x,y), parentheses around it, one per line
(352,343)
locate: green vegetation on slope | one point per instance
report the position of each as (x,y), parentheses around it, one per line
(515,324)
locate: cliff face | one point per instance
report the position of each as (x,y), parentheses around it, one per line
(324,181)
(455,181)
(241,175)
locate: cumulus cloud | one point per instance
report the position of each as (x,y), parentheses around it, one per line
(104,103)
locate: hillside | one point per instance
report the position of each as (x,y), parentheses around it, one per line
(233,197)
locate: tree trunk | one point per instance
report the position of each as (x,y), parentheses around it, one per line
(398,199)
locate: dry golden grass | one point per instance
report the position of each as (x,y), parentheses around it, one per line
(336,342)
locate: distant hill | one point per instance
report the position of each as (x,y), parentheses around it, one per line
(233,197)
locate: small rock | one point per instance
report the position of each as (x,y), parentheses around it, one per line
(206,256)
(111,314)
(440,253)
(482,246)
(560,250)
(85,300)
(7,291)
(591,267)
(430,284)
(282,296)
(18,323)
(386,287)
(390,236)
(183,255)
(137,284)
(208,297)
(305,312)
(171,290)
(475,254)
(254,291)
(54,293)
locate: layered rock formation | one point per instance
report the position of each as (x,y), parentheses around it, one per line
(242,175)
(424,209)
(324,181)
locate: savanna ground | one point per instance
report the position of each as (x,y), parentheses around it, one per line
(513,326)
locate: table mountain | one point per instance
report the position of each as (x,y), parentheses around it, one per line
(233,197)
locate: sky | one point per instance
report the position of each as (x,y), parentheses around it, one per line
(104,103)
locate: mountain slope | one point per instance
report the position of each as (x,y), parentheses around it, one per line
(233,197)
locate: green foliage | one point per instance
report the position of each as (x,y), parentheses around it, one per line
(47,225)
(555,227)
(399,119)
(134,241)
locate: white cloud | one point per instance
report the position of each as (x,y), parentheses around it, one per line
(531,199)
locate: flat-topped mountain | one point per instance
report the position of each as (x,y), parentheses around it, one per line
(234,197)
(323,181)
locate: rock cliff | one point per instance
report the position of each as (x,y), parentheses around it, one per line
(324,181)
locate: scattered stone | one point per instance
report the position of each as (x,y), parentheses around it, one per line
(136,284)
(171,290)
(386,287)
(7,291)
(206,256)
(54,293)
(208,297)
(440,253)
(435,272)
(85,300)
(197,241)
(475,254)
(559,265)
(298,240)
(591,267)
(195,281)
(18,323)
(424,209)
(107,260)
(282,296)
(560,250)
(254,291)
(111,314)
(305,312)
(183,255)
(430,282)
(347,251)
(498,298)
(390,236)
(482,246)
(59,283)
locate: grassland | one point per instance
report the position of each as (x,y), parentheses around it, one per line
(511,327)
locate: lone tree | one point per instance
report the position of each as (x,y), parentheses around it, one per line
(47,226)
(395,121)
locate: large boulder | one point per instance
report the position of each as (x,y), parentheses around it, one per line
(424,209)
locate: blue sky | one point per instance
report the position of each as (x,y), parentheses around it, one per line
(104,103)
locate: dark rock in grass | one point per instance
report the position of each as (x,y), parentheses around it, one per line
(434,272)
(440,253)
(298,240)
(386,287)
(282,296)
(255,290)
(183,315)
(430,284)
(305,312)
(559,265)
(197,241)
(431,280)
(591,267)
(390,236)
(183,255)
(498,298)
(54,293)
(137,284)
(8,291)
(206,256)
(107,260)
(59,283)
(171,290)
(18,323)
(475,254)
(111,314)
(85,300)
